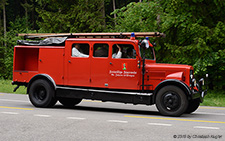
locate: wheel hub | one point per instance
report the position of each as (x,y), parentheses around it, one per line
(40,94)
(171,101)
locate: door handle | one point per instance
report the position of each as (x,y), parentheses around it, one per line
(69,61)
(110,63)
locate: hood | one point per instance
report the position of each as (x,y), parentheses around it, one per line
(167,71)
(159,66)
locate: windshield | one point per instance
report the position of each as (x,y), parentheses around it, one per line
(149,53)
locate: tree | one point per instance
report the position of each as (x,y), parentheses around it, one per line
(114,8)
(28,7)
(3,3)
(195,32)
(72,16)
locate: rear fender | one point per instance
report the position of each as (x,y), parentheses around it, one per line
(41,76)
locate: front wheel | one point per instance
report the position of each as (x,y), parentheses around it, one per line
(171,101)
(41,94)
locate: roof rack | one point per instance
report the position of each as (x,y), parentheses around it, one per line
(91,35)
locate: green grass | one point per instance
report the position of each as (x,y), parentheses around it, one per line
(7,87)
(213,98)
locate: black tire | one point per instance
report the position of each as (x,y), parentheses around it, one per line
(192,106)
(69,102)
(171,101)
(42,94)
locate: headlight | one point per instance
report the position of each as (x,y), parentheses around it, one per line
(191,76)
(194,83)
(202,82)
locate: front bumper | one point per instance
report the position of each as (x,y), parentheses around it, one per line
(198,92)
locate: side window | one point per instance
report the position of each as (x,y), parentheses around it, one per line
(80,50)
(101,50)
(123,51)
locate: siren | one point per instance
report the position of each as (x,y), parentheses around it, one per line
(149,44)
(132,37)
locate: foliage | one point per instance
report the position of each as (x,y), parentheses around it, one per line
(195,29)
(137,17)
(71,16)
(195,32)
(196,38)
(18,26)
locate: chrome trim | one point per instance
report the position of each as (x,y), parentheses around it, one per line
(105,91)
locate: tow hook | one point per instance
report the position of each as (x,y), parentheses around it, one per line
(16,88)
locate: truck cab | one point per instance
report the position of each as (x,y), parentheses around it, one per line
(103,66)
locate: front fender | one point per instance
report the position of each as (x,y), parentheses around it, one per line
(174,82)
(175,76)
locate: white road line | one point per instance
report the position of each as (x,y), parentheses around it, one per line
(204,127)
(76,118)
(117,121)
(10,113)
(218,114)
(10,100)
(37,115)
(160,124)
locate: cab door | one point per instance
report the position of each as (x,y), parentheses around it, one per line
(78,67)
(124,72)
(99,65)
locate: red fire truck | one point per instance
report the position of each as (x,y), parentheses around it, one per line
(103,66)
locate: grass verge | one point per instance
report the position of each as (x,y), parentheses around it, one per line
(213,98)
(7,87)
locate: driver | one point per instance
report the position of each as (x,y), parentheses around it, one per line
(77,53)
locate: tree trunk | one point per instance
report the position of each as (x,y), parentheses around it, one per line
(114,8)
(103,13)
(4,22)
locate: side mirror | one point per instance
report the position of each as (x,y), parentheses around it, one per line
(145,44)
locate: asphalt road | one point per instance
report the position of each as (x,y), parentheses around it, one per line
(95,120)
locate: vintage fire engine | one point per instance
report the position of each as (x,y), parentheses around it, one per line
(109,67)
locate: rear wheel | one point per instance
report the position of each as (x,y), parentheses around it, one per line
(171,101)
(69,102)
(41,94)
(193,106)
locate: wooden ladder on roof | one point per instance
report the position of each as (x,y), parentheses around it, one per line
(91,35)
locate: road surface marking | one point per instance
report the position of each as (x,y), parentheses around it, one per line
(42,115)
(117,121)
(76,118)
(10,100)
(177,119)
(218,114)
(204,127)
(160,124)
(1,94)
(17,108)
(10,113)
(215,108)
